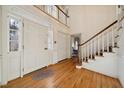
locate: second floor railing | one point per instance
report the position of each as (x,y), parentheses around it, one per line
(56,12)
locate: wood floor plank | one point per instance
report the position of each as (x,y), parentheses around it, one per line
(66,76)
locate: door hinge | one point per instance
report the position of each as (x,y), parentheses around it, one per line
(23,69)
(23,46)
(23,24)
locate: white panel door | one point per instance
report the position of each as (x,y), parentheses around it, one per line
(14,25)
(0,68)
(62,46)
(36,53)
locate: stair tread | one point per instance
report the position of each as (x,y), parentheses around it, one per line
(99,56)
(92,60)
(84,61)
(115,47)
(109,52)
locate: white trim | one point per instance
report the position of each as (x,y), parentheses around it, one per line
(0,44)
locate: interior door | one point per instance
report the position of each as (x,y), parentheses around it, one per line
(62,46)
(14,46)
(36,52)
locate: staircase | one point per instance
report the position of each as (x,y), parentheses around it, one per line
(100,51)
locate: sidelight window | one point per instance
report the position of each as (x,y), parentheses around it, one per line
(13,35)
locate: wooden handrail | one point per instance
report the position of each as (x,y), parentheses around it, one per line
(99,32)
(122,18)
(61,11)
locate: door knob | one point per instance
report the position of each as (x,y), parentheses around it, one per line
(45,48)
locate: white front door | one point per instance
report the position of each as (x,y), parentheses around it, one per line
(14,46)
(36,51)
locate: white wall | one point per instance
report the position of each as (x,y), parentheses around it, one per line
(89,20)
(35,15)
(106,65)
(0,44)
(0,31)
(121,59)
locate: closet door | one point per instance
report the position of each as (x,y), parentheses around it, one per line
(36,52)
(62,46)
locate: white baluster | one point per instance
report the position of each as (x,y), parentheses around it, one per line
(104,39)
(79,53)
(107,41)
(99,44)
(83,52)
(98,48)
(91,52)
(110,38)
(102,42)
(94,47)
(112,32)
(87,50)
(96,44)
(100,39)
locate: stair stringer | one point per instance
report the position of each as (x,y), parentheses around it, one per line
(106,65)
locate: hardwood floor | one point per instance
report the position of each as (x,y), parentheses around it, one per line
(66,76)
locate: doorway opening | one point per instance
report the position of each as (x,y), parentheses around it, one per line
(75,41)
